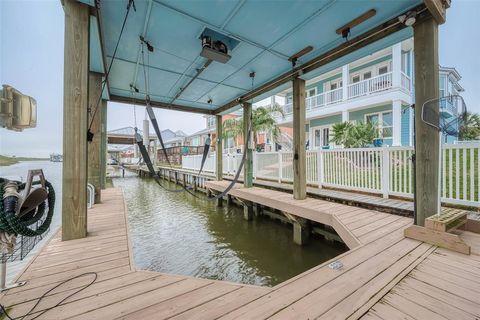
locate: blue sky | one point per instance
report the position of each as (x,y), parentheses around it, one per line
(31,59)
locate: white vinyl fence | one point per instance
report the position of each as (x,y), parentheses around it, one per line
(387,171)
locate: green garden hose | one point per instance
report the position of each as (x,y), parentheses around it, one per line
(13,224)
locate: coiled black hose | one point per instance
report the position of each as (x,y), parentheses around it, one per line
(11,223)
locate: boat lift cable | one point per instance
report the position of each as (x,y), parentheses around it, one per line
(151,114)
(153,119)
(131,4)
(148,107)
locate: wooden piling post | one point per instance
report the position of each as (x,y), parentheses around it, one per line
(219,149)
(95,146)
(194,183)
(426,137)
(301,231)
(256,209)
(103,146)
(248,211)
(75,120)
(299,153)
(248,166)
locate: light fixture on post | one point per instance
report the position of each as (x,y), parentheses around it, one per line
(409,18)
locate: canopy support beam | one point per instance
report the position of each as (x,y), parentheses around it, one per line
(75,120)
(103,146)
(219,148)
(426,137)
(248,166)
(299,153)
(161,105)
(94,147)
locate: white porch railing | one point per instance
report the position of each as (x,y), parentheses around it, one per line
(355,90)
(387,171)
(375,84)
(318,101)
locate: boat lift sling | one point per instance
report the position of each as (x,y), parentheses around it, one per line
(143,150)
(153,120)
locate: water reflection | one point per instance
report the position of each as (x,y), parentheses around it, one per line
(177,233)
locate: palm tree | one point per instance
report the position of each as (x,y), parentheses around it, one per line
(471,126)
(354,135)
(263,120)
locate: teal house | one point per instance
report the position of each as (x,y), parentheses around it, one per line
(377,88)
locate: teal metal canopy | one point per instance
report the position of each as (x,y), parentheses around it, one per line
(267,33)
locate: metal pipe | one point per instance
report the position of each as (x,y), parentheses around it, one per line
(3,274)
(199,71)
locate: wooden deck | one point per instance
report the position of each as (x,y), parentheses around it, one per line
(369,201)
(384,276)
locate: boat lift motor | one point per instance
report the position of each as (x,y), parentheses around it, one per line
(17,111)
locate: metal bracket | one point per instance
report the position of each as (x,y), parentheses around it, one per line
(32,198)
(3,277)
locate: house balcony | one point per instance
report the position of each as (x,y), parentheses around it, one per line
(358,94)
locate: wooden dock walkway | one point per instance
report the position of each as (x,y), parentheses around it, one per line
(385,276)
(369,201)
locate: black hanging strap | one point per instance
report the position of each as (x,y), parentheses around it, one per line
(153,119)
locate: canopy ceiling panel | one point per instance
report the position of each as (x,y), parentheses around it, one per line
(268,33)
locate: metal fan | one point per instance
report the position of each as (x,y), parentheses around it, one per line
(447,115)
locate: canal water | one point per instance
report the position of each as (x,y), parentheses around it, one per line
(178,233)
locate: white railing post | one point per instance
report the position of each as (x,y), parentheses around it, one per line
(320,168)
(385,165)
(280,167)
(255,164)
(345,82)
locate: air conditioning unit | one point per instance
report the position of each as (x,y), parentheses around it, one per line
(17,111)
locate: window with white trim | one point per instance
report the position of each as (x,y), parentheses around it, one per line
(382,70)
(383,121)
(442,86)
(311,92)
(210,122)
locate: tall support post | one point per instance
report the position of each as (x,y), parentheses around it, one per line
(219,148)
(95,146)
(75,120)
(396,65)
(426,138)
(103,145)
(299,153)
(248,166)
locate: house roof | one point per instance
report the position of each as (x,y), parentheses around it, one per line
(201,132)
(265,35)
(454,76)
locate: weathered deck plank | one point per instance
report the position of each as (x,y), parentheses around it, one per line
(385,277)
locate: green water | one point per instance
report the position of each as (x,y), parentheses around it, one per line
(177,233)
